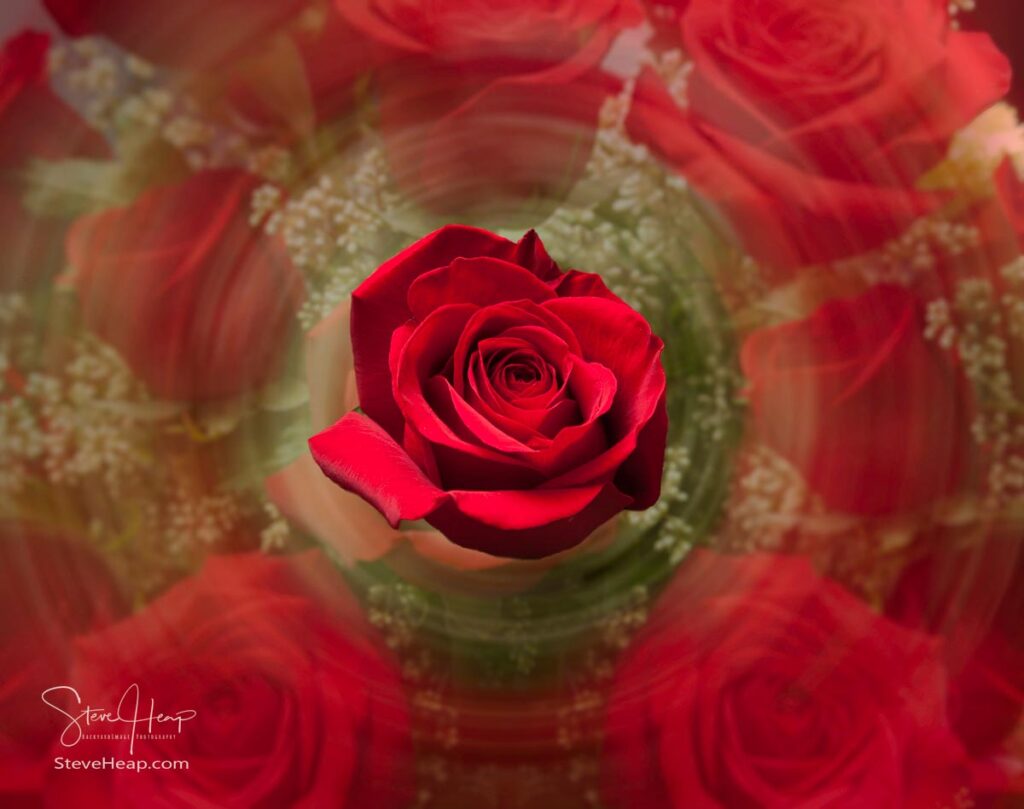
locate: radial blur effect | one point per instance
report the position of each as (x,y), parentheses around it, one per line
(817,206)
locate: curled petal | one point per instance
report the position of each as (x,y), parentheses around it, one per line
(526,524)
(379,308)
(480,281)
(360,457)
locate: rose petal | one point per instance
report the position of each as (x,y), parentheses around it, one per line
(530,420)
(531,253)
(352,527)
(525,509)
(642,476)
(526,524)
(620,339)
(576,284)
(570,447)
(823,218)
(465,420)
(359,456)
(479,280)
(379,308)
(640,406)
(501,317)
(593,388)
(420,359)
(640,473)
(550,349)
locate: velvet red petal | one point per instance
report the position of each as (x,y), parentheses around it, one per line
(379,307)
(360,457)
(525,524)
(479,280)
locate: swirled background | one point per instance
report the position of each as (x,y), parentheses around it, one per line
(817,205)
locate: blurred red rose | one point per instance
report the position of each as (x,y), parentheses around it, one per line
(1010,188)
(294,704)
(52,587)
(34,123)
(809,121)
(1001,19)
(997,222)
(191,34)
(974,599)
(491,101)
(284,86)
(874,415)
(498,401)
(197,300)
(335,57)
(758,684)
(664,17)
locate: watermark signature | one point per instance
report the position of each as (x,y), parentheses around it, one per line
(129,720)
(111,763)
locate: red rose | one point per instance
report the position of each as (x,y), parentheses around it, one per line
(196,300)
(512,406)
(294,706)
(179,33)
(335,57)
(808,121)
(490,101)
(34,124)
(52,588)
(758,684)
(283,86)
(872,413)
(664,17)
(1001,18)
(974,598)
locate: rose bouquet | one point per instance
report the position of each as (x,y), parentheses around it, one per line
(601,403)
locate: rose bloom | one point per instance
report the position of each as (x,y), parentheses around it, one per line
(197,300)
(350,526)
(514,407)
(489,102)
(34,124)
(295,705)
(756,683)
(874,416)
(178,33)
(808,121)
(52,588)
(353,528)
